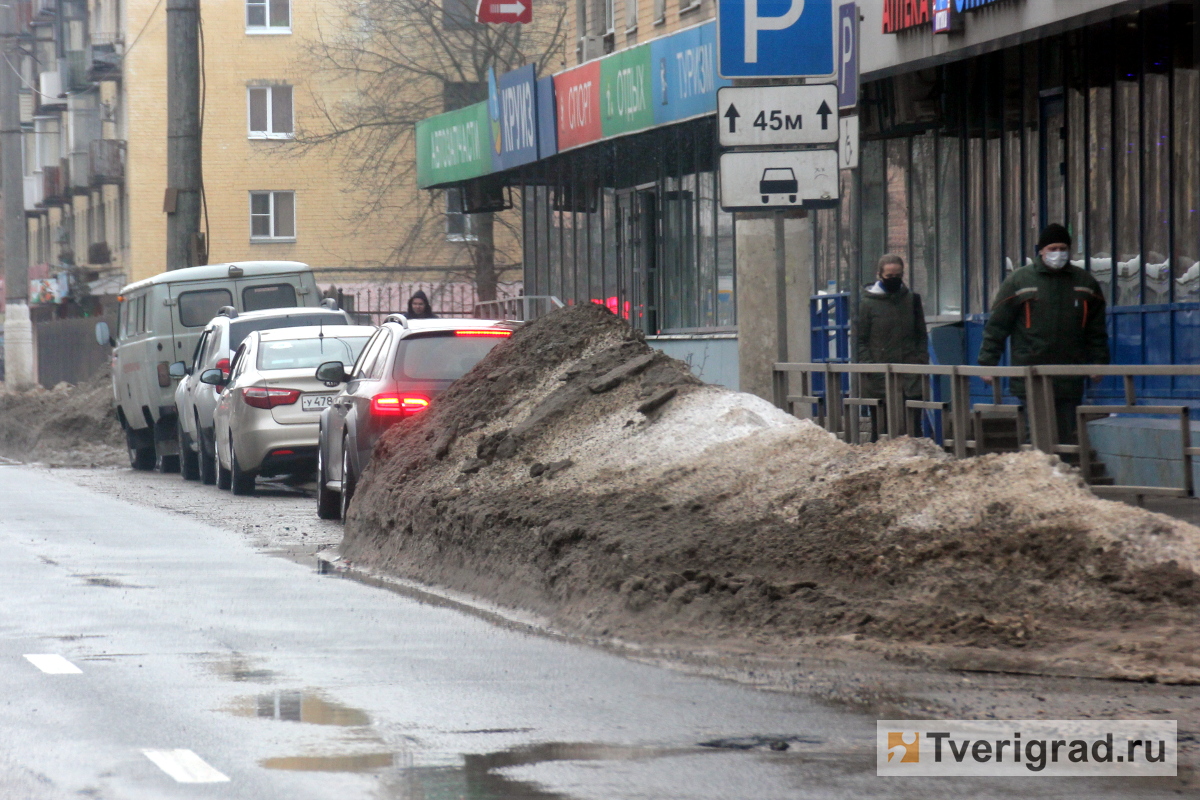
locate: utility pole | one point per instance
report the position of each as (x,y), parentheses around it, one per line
(18,332)
(182,201)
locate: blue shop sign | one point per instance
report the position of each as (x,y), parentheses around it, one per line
(512,106)
(547,118)
(684,70)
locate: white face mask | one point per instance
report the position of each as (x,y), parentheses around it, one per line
(1056,259)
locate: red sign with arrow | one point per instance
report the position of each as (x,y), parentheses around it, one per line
(496,11)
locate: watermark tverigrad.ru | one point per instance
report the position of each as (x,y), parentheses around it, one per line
(1051,747)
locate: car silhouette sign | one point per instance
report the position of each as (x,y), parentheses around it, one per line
(779,179)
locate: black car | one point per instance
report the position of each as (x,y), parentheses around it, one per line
(403,367)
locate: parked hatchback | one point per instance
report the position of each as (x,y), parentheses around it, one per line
(195,402)
(406,364)
(265,422)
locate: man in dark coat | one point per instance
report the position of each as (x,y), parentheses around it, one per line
(1054,313)
(419,308)
(891,330)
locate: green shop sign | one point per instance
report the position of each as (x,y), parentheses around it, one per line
(626,93)
(454,146)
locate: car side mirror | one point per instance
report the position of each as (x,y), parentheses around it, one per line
(214,377)
(178,370)
(103,335)
(332,372)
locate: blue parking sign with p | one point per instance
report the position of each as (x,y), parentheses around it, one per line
(776,39)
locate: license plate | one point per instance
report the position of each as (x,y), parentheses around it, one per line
(315,402)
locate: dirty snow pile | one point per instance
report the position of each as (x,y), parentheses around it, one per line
(65,426)
(578,473)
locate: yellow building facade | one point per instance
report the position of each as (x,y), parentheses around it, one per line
(265,199)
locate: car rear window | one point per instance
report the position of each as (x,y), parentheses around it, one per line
(309,353)
(196,308)
(441,356)
(275,295)
(239,330)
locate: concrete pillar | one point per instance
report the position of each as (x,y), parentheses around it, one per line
(757,292)
(18,346)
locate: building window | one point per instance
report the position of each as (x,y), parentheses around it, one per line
(458,224)
(272,216)
(268,16)
(270,109)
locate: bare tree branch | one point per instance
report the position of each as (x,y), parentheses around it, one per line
(390,64)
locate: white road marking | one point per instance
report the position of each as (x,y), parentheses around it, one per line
(185,766)
(52,664)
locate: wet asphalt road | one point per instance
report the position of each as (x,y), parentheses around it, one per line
(270,680)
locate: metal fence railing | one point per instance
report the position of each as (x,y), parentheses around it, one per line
(829,394)
(521,309)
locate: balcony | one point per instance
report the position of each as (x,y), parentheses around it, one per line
(44,8)
(107,51)
(53,186)
(76,73)
(107,161)
(79,179)
(33,193)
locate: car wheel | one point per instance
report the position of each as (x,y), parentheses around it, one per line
(347,493)
(208,459)
(329,502)
(189,461)
(240,481)
(140,456)
(224,479)
(765,198)
(791,198)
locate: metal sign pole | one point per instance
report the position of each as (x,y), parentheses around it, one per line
(780,289)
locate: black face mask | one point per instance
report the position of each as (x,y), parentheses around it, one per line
(891,285)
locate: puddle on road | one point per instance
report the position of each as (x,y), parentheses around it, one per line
(361,762)
(299,706)
(477,778)
(240,670)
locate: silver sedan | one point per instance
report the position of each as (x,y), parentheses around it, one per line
(265,422)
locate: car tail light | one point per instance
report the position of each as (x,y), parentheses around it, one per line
(223,365)
(483,332)
(264,397)
(400,405)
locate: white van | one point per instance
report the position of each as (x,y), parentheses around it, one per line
(161,319)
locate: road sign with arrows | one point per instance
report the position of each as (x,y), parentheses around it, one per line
(777,115)
(499,11)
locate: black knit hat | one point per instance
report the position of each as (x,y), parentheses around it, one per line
(1053,234)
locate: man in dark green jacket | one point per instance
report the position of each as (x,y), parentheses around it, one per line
(891,330)
(1054,312)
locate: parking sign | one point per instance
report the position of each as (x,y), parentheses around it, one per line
(776,39)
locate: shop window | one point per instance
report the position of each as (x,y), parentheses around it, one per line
(950,225)
(268,16)
(270,112)
(458,224)
(922,254)
(1156,158)
(874,207)
(1185,171)
(1100,161)
(272,216)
